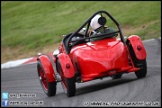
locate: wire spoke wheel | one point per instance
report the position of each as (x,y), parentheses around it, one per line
(142,64)
(63,81)
(48,87)
(68,84)
(43,78)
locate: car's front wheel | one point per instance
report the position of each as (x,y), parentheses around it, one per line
(48,87)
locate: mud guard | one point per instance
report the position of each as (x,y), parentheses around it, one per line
(67,66)
(47,66)
(138,47)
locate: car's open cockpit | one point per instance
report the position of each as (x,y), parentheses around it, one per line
(85,34)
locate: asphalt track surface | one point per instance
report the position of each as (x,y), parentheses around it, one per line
(108,92)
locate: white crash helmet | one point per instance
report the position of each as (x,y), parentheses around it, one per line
(97,22)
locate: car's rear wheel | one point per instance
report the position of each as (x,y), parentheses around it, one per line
(142,64)
(68,84)
(48,87)
(143,68)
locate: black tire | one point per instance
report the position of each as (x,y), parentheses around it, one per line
(68,84)
(143,68)
(142,64)
(117,76)
(71,87)
(48,87)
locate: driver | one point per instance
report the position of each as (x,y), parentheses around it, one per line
(98,27)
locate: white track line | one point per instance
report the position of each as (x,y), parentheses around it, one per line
(14,63)
(148,40)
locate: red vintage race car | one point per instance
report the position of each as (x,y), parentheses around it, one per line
(97,49)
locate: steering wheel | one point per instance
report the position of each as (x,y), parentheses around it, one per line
(75,39)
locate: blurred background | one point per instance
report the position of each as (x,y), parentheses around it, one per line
(29,27)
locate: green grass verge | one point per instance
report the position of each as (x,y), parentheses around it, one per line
(31,25)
